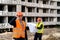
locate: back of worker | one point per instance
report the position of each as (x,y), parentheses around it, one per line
(19,32)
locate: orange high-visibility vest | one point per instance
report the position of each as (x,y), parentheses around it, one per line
(19,30)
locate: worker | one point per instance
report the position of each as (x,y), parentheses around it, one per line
(40,29)
(19,30)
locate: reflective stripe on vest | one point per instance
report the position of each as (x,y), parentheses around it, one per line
(40,30)
(19,31)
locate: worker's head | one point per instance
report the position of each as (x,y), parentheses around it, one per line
(39,19)
(20,15)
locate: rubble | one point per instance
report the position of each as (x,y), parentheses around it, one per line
(54,36)
(6,36)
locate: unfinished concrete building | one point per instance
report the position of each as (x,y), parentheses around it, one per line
(48,10)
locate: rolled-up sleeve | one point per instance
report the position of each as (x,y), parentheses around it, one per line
(40,27)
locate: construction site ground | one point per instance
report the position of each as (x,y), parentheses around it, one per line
(49,34)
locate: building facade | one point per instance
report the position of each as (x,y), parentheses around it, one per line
(48,10)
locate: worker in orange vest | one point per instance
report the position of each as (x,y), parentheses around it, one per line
(19,30)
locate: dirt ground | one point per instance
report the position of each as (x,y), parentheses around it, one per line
(8,35)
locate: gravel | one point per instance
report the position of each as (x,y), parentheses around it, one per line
(51,34)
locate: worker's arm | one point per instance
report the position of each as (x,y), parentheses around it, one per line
(40,27)
(12,22)
(26,37)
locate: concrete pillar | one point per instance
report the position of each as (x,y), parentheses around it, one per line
(34,19)
(49,11)
(6,20)
(49,2)
(48,19)
(31,20)
(18,8)
(40,2)
(26,9)
(55,19)
(55,3)
(26,19)
(40,11)
(55,11)
(26,0)
(34,1)
(18,1)
(32,9)
(35,10)
(5,8)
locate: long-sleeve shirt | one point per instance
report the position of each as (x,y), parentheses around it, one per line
(12,22)
(40,27)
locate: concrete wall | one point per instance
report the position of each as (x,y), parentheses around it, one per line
(51,4)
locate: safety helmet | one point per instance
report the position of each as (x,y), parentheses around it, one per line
(19,14)
(39,19)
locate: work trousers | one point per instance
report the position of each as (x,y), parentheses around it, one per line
(19,38)
(38,36)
